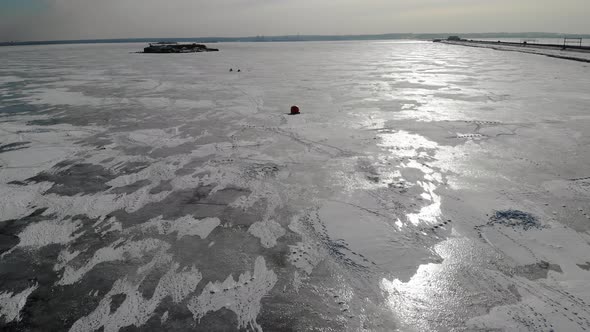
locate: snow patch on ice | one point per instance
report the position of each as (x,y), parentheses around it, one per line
(48,232)
(11,304)
(267,231)
(185,226)
(118,251)
(244,202)
(242,296)
(155,172)
(108,226)
(297,281)
(164,317)
(16,201)
(64,257)
(47,145)
(95,206)
(305,255)
(136,310)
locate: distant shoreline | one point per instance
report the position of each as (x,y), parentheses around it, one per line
(301,38)
(573,53)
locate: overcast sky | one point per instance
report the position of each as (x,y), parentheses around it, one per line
(81,19)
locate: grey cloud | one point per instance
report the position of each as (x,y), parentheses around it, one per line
(74,19)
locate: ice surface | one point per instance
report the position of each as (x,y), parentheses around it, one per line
(268,232)
(424,187)
(49,232)
(116,252)
(185,226)
(241,296)
(11,304)
(136,309)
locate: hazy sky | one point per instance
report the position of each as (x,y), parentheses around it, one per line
(79,19)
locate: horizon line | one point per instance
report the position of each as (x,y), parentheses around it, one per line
(400,35)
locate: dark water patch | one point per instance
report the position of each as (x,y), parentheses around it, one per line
(131,188)
(190,167)
(165,152)
(7,242)
(228,195)
(78,179)
(584,266)
(164,185)
(179,318)
(24,267)
(233,253)
(537,270)
(85,116)
(56,308)
(38,212)
(131,167)
(135,150)
(66,163)
(150,282)
(99,141)
(184,171)
(50,307)
(278,256)
(116,301)
(243,219)
(220,320)
(91,238)
(18,108)
(84,178)
(515,292)
(197,202)
(373,178)
(10,229)
(18,183)
(286,312)
(200,195)
(45,122)
(262,170)
(364,165)
(14,146)
(514,218)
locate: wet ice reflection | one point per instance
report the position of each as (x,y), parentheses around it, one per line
(431,213)
(438,294)
(414,150)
